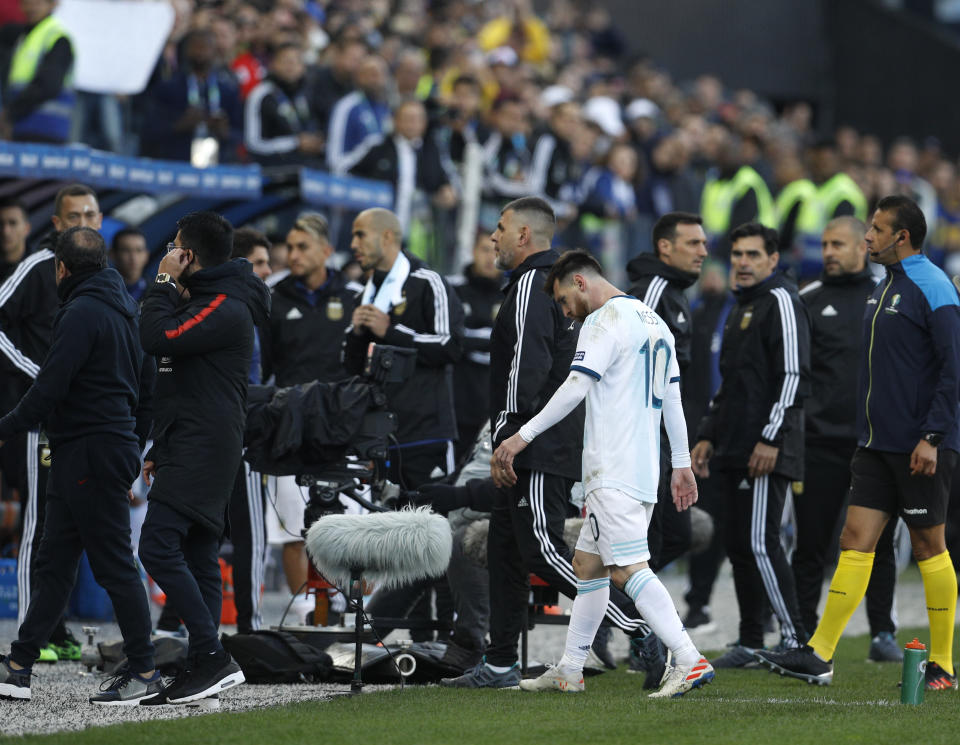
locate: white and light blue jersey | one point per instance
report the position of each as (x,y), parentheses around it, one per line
(630,352)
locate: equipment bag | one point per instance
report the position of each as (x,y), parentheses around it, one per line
(277,657)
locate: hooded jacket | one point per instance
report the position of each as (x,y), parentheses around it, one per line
(203,347)
(531,349)
(765,367)
(94,379)
(661,287)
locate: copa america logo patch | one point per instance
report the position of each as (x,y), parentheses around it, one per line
(578,357)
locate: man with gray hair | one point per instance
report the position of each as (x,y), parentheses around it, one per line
(836,306)
(92,392)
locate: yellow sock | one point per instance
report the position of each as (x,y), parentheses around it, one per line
(847,588)
(940,587)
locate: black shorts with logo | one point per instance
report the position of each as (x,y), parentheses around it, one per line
(882,481)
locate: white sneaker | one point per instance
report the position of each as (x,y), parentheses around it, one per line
(681,678)
(555,679)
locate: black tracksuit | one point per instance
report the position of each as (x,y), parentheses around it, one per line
(481,299)
(836,306)
(275,114)
(429,320)
(765,366)
(305,331)
(92,396)
(531,349)
(662,288)
(203,346)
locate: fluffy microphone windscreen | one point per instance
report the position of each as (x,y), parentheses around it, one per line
(389,548)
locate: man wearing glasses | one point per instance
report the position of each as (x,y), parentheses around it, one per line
(28,304)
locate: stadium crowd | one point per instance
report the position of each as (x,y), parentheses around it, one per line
(681,190)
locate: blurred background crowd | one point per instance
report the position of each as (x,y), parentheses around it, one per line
(548,98)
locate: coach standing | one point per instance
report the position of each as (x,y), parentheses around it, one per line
(88,392)
(204,343)
(753,431)
(836,302)
(909,434)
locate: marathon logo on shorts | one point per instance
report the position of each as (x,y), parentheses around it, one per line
(578,357)
(915,511)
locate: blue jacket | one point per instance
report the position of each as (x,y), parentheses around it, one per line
(910,373)
(95,378)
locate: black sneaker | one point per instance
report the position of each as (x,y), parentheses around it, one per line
(647,654)
(126,688)
(938,679)
(14,684)
(208,674)
(698,619)
(801,663)
(884,648)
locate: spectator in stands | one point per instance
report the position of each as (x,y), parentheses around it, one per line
(248,63)
(278,127)
(327,84)
(409,161)
(129,255)
(14,229)
(506,158)
(197,108)
(359,117)
(462,120)
(554,173)
(36,73)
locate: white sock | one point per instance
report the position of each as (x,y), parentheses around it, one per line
(586,617)
(655,605)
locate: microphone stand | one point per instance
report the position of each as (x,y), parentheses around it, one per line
(356,595)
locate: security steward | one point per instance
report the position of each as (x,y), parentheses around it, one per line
(92,393)
(660,280)
(197,319)
(835,303)
(753,432)
(407,304)
(908,421)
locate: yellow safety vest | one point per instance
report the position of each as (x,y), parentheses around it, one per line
(720,196)
(842,188)
(809,216)
(53,118)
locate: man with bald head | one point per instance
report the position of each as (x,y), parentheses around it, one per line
(836,304)
(407,304)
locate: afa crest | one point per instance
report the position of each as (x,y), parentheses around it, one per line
(400,308)
(334,309)
(746,318)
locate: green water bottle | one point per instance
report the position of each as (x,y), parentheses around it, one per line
(914,667)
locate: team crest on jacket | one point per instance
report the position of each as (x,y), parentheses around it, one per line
(495,311)
(45,456)
(334,309)
(746,318)
(399,308)
(894,302)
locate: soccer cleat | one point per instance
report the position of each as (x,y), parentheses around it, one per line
(801,663)
(554,679)
(682,679)
(14,684)
(647,654)
(698,619)
(736,655)
(938,679)
(126,688)
(884,648)
(206,674)
(48,655)
(481,676)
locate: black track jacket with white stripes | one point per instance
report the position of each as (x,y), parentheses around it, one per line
(429,320)
(661,287)
(765,367)
(531,349)
(28,305)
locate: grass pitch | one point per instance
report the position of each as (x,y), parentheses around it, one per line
(741,707)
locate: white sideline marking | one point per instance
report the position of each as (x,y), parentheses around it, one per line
(815,700)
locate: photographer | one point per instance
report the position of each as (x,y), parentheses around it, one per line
(405,304)
(198,318)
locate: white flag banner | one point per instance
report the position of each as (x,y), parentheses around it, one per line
(116,43)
